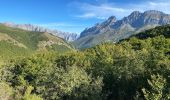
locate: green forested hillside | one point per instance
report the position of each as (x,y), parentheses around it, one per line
(137,68)
(16,42)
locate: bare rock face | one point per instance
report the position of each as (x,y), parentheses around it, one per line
(29,27)
(114,30)
(98,28)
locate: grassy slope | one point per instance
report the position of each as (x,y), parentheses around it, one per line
(16,42)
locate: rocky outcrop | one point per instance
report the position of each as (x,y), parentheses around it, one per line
(114,30)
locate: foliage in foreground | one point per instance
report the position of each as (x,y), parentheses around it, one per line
(137,68)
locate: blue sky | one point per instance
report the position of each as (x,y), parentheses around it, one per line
(73,15)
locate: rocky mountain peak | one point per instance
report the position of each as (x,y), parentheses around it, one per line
(99,26)
(151,17)
(149,12)
(113,29)
(136,19)
(135,13)
(112,19)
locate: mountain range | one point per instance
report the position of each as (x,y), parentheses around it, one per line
(29,27)
(113,30)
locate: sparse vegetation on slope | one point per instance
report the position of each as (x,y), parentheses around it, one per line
(16,42)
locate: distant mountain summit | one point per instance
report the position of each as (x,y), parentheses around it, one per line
(98,27)
(29,27)
(114,30)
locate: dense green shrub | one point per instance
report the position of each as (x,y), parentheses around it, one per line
(136,68)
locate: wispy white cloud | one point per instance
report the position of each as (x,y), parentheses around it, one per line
(87,15)
(104,10)
(100,11)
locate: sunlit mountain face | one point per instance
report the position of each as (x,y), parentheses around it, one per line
(113,30)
